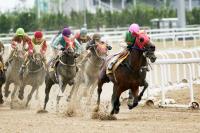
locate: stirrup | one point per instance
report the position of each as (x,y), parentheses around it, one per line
(110,66)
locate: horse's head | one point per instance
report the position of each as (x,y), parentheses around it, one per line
(37,58)
(143,42)
(70,46)
(101,49)
(19,51)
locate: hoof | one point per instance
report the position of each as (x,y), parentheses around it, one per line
(132,106)
(1,101)
(130,102)
(21,97)
(42,111)
(112,112)
(96,109)
(116,111)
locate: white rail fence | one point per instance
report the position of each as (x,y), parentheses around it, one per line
(173,70)
(117,35)
(162,63)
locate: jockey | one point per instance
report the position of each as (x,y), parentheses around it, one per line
(130,38)
(82,36)
(37,40)
(96,38)
(130,41)
(59,43)
(1,58)
(20,38)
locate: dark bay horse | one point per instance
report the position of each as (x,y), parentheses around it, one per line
(66,70)
(33,75)
(128,75)
(2,73)
(88,74)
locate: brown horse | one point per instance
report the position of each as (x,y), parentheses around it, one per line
(128,75)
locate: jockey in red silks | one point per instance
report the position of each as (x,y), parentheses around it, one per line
(38,45)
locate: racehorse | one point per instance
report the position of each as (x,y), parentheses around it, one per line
(128,74)
(2,73)
(33,75)
(12,73)
(88,73)
(65,72)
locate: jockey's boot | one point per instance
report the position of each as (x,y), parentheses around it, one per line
(54,60)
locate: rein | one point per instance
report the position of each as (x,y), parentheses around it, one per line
(65,63)
(39,69)
(98,54)
(127,63)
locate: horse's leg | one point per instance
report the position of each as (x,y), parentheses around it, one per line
(37,94)
(145,84)
(115,99)
(21,92)
(99,90)
(130,97)
(6,88)
(135,91)
(47,91)
(74,89)
(88,84)
(60,94)
(1,96)
(93,86)
(14,91)
(31,94)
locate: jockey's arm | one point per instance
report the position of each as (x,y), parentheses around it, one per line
(14,42)
(56,43)
(78,47)
(44,48)
(30,45)
(90,44)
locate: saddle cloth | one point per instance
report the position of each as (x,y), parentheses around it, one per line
(118,60)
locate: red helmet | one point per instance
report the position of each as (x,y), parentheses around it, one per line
(38,34)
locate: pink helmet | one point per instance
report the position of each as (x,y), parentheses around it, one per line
(134,28)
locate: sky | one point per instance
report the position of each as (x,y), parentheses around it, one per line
(9,5)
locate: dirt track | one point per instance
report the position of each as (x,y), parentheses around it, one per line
(141,120)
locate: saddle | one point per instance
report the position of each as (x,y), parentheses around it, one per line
(115,61)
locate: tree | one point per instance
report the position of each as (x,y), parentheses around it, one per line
(5,23)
